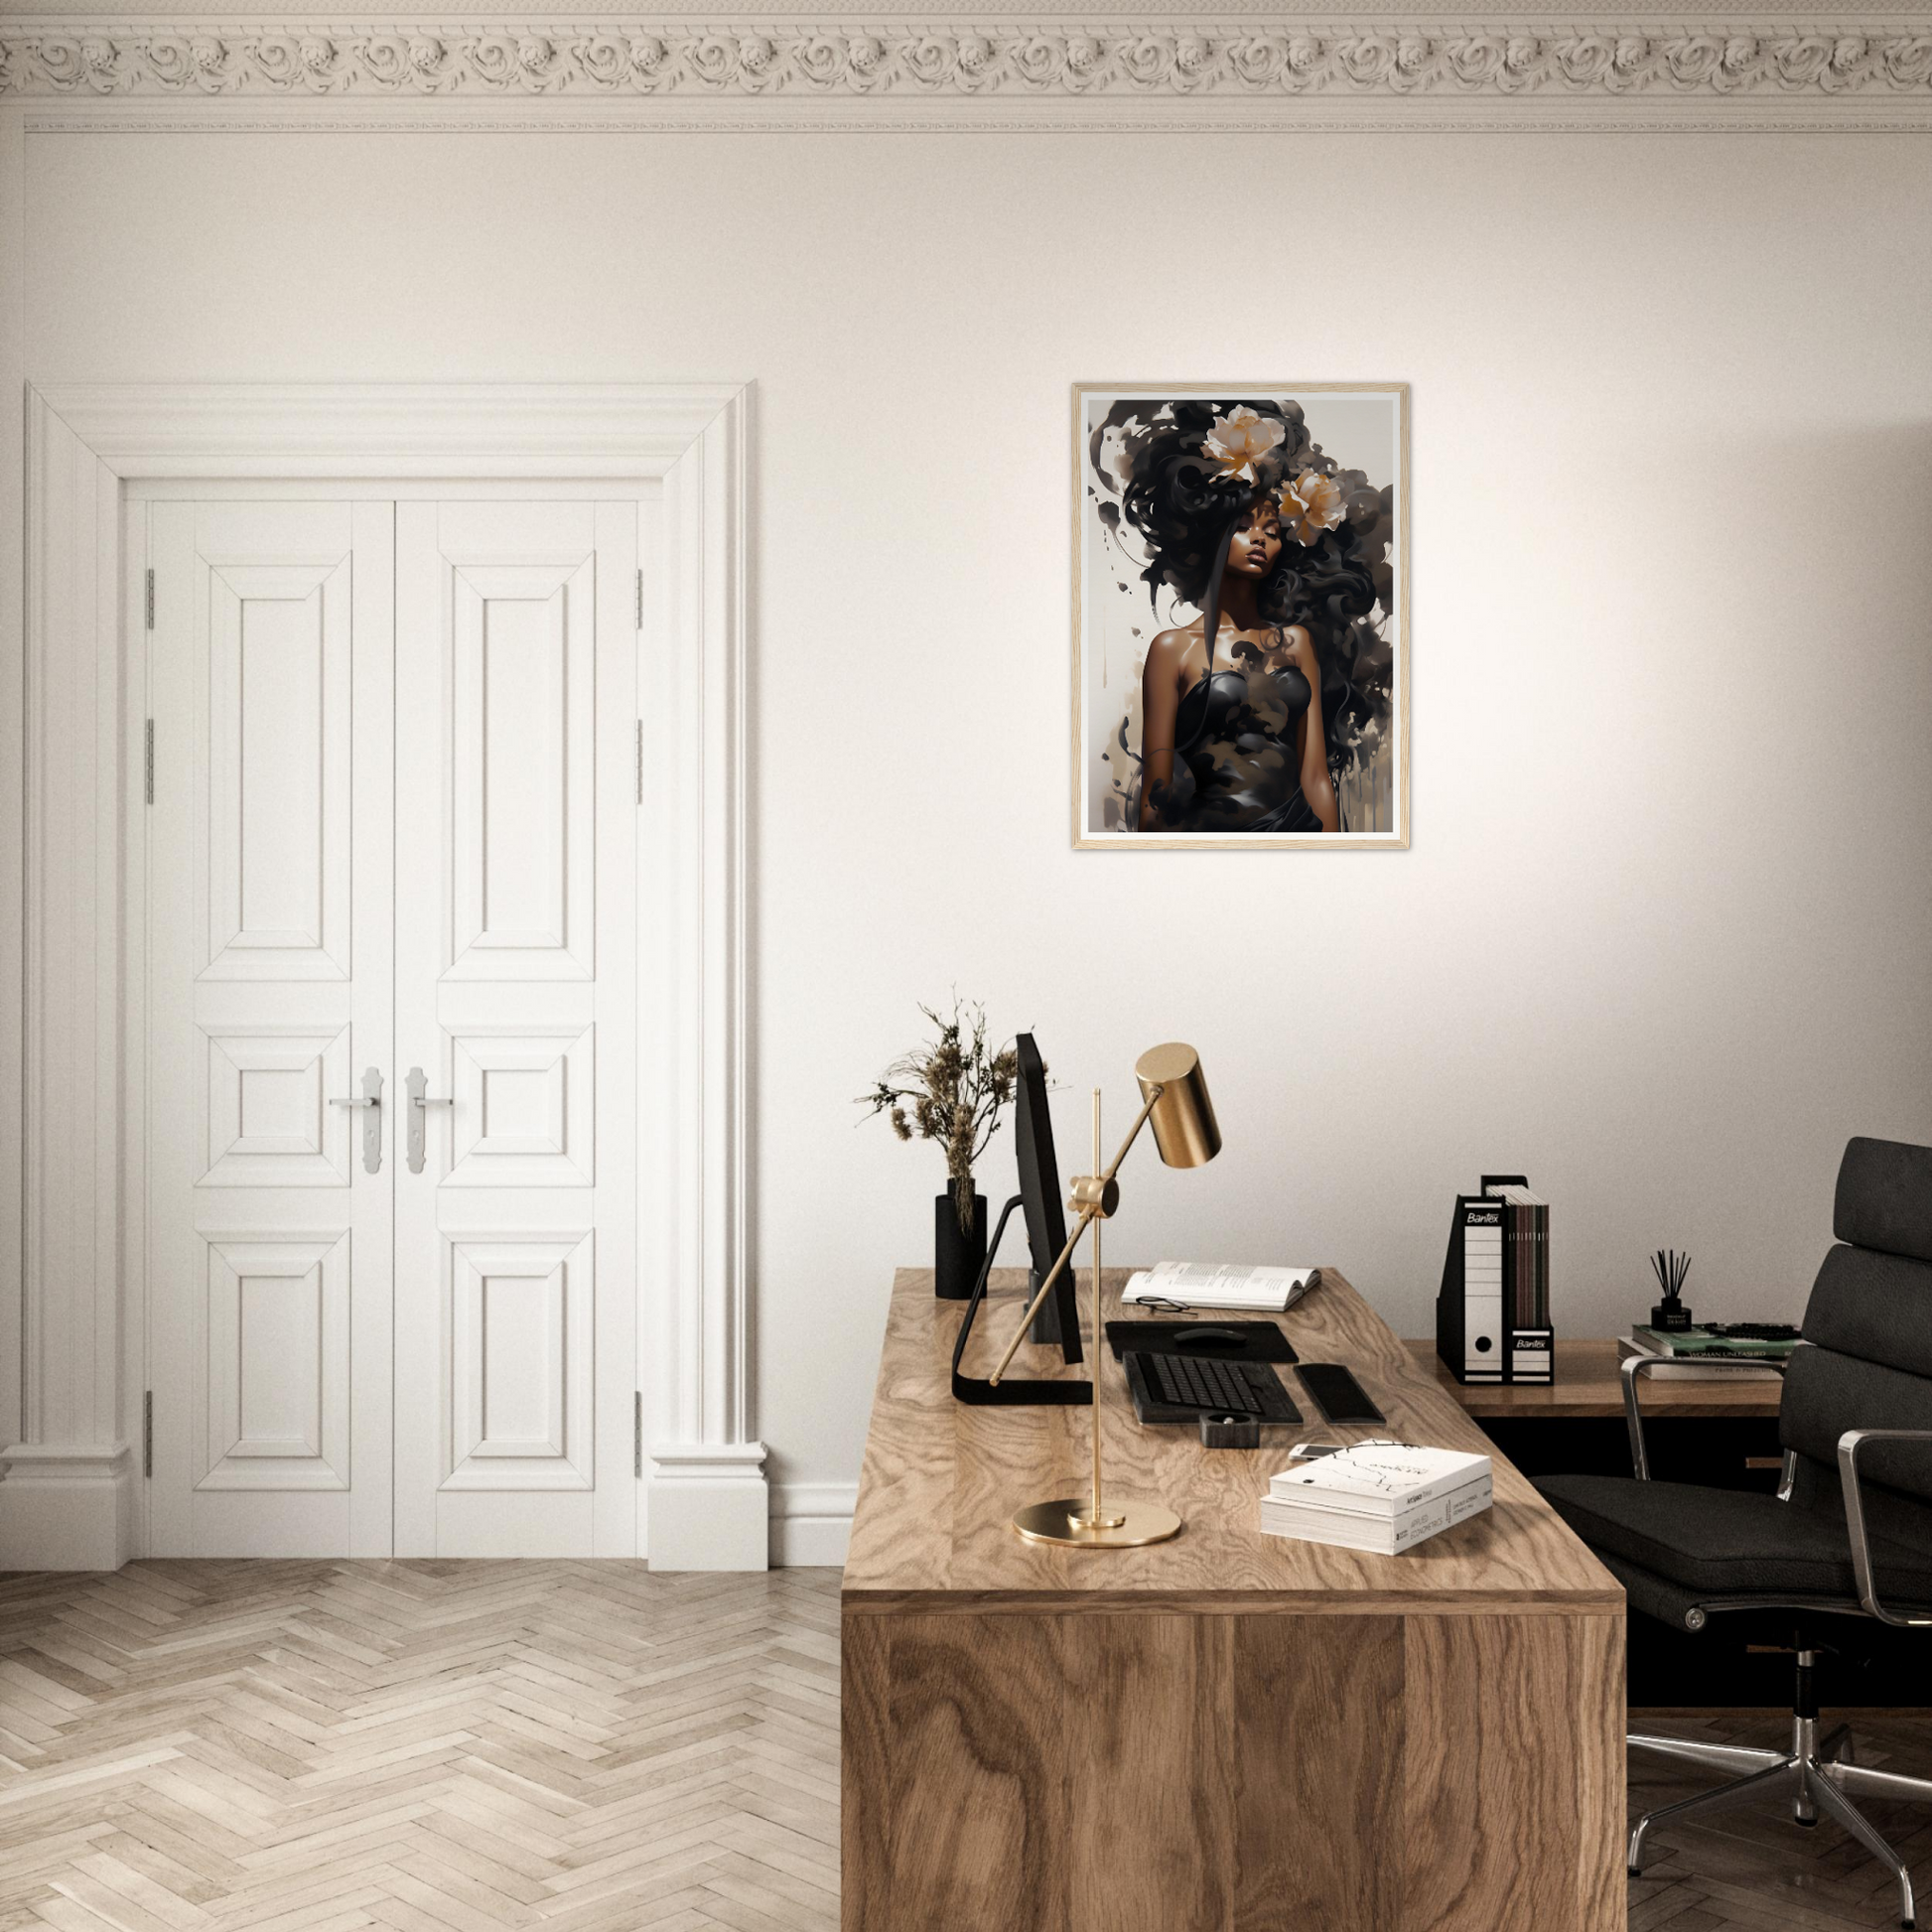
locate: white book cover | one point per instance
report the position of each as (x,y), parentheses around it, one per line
(1379,1478)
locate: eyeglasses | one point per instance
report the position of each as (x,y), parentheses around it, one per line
(1163,1305)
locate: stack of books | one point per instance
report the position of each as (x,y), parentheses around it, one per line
(1384,1497)
(1526,1257)
(1688,1354)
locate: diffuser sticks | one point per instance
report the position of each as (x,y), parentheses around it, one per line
(1670,1268)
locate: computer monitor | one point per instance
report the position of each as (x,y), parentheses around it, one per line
(1038,1198)
(1039,1194)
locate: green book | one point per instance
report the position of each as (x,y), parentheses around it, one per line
(1701,1341)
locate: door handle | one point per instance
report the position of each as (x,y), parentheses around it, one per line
(417,1081)
(372,1098)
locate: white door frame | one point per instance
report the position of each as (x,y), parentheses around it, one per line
(72,1450)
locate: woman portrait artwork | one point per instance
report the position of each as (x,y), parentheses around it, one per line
(1240,671)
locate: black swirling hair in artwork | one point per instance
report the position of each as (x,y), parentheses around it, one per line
(1152,476)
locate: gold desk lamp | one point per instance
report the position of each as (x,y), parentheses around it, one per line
(1175,1099)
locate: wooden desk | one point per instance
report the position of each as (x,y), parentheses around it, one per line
(1587,1385)
(1228,1732)
(1719,1433)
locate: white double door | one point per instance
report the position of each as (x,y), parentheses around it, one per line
(391,859)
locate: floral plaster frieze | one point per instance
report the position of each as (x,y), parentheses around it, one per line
(1241,60)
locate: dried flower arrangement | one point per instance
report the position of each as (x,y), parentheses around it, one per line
(950,1092)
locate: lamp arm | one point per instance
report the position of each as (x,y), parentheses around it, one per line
(1133,1133)
(1088,1215)
(1032,1307)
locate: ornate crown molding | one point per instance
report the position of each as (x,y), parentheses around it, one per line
(1247,62)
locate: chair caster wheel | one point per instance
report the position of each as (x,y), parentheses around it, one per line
(1633,1871)
(1807,1822)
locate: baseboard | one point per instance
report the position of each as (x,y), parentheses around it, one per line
(812,1523)
(67,1506)
(710,1507)
(72,1508)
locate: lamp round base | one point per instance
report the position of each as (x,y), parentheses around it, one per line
(1064,1521)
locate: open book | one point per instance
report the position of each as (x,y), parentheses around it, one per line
(1209,1285)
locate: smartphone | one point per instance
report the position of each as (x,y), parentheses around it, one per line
(1337,1393)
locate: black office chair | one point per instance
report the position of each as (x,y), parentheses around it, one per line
(1849,1534)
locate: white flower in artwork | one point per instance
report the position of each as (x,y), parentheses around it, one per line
(1240,439)
(1311,505)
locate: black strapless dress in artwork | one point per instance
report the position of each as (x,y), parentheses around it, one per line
(1234,768)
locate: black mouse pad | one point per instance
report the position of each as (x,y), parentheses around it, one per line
(1216,1341)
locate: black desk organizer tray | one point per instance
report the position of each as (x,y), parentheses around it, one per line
(1219,1341)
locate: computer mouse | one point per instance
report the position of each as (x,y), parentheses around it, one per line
(1207,1336)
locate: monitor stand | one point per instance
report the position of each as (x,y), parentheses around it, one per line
(1047,1323)
(1012,1391)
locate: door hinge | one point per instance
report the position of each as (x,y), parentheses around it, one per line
(147,1434)
(150,600)
(148,762)
(640,597)
(637,1434)
(641,761)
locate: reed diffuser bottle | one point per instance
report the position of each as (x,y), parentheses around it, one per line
(1670,1314)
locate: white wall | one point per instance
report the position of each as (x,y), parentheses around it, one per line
(1661,941)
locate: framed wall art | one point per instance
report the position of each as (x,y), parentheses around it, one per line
(1241,615)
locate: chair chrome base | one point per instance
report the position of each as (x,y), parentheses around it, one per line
(1818,1774)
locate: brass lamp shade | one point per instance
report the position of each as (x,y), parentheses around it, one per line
(1182,1117)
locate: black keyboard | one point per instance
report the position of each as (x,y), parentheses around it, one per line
(1208,1387)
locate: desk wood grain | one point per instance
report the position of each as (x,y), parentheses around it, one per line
(942,1481)
(1228,1732)
(1588,1385)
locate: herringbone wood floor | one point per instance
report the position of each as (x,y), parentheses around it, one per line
(569,1746)
(323,1746)
(1754,1870)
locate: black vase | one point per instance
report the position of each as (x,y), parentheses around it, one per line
(957,1258)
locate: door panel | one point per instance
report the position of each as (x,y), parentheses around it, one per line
(521,1332)
(525,1107)
(521,771)
(516,1242)
(278,1384)
(269,1122)
(278,789)
(270,993)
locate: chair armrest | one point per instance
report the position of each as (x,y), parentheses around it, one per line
(1635,1365)
(1848,1446)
